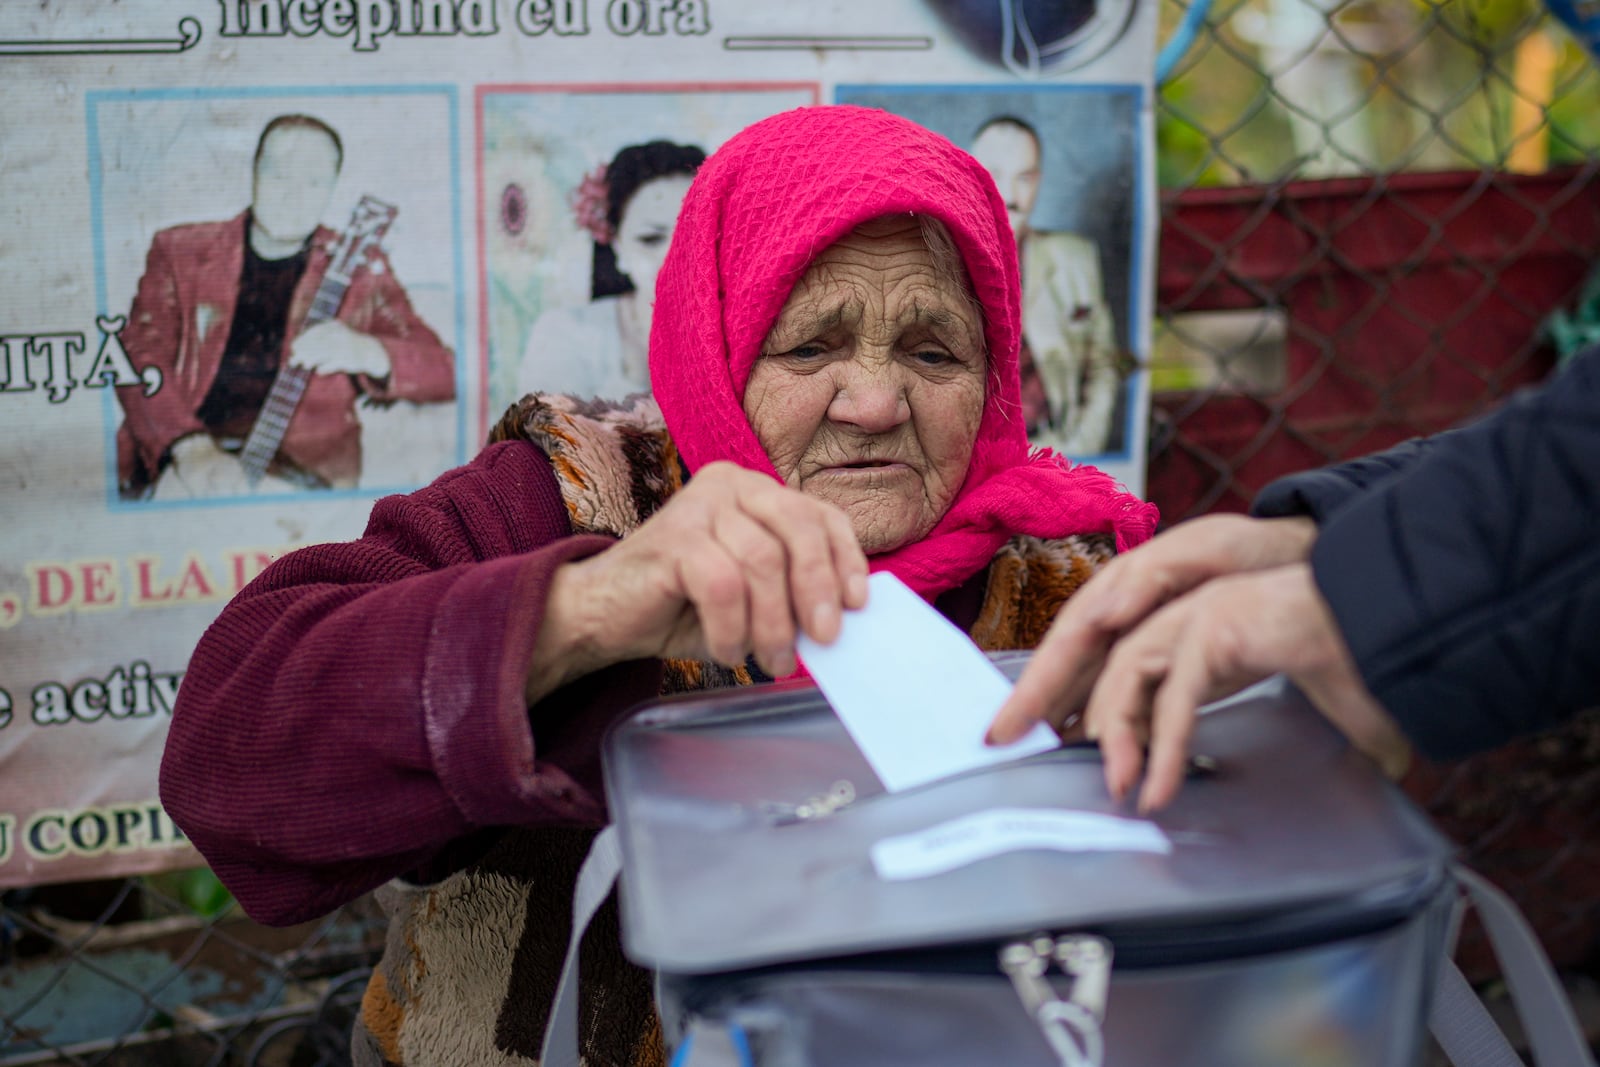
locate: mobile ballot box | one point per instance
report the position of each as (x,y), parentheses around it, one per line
(1292,907)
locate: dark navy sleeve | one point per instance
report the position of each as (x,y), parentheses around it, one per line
(1467,584)
(1319,493)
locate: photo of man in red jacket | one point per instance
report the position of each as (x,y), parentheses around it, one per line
(221,308)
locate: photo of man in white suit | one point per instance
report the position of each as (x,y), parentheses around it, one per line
(1069,356)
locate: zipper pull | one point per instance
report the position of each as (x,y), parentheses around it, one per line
(839,795)
(1025,963)
(1088,961)
(1070,1026)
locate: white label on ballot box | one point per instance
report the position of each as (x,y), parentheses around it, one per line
(915,693)
(999,830)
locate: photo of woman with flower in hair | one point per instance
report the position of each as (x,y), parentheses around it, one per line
(578,197)
(630,208)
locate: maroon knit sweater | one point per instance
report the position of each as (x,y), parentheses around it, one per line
(357,712)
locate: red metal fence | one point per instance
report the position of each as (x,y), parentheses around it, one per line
(1412,302)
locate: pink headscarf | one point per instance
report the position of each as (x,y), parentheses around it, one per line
(760,210)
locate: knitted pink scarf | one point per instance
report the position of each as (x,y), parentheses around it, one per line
(760,210)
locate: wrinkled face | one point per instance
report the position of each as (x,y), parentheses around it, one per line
(1011,156)
(869,387)
(645,230)
(295,176)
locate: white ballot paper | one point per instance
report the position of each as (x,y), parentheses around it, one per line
(913,690)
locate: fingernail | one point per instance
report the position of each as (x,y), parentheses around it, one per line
(856,590)
(825,623)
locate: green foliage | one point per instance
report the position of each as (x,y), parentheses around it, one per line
(1572,331)
(1488,23)
(1183,150)
(200,891)
(1573,115)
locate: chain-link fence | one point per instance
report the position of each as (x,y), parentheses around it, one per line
(164,970)
(1377,219)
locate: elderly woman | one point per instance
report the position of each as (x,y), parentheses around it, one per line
(834,355)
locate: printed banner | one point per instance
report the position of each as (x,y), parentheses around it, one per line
(268,260)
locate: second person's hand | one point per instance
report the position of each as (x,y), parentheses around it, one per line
(1068,662)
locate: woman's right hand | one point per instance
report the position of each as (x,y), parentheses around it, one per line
(735,564)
